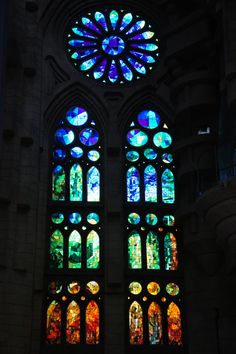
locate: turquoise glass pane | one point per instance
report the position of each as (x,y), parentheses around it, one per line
(134,218)
(150,154)
(81,43)
(56,250)
(93,250)
(146,46)
(75,218)
(132,156)
(133,185)
(151,219)
(150,183)
(169,220)
(59,154)
(152,251)
(93,218)
(126,21)
(93,185)
(170,250)
(89,137)
(113,73)
(168,187)
(100,18)
(127,73)
(167,158)
(74,250)
(137,137)
(77,116)
(140,68)
(89,24)
(93,155)
(64,136)
(100,69)
(57,218)
(144,57)
(149,119)
(58,183)
(76,152)
(143,35)
(83,33)
(86,65)
(134,251)
(136,27)
(82,53)
(162,140)
(114,18)
(113,45)
(76,183)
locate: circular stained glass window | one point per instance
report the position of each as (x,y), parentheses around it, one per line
(172,289)
(153,288)
(93,155)
(93,218)
(149,119)
(135,288)
(77,116)
(137,137)
(57,218)
(76,152)
(150,154)
(132,156)
(89,137)
(162,140)
(167,158)
(59,154)
(151,219)
(75,218)
(64,136)
(133,218)
(112,46)
(92,287)
(73,287)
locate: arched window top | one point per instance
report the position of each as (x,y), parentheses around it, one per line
(112,46)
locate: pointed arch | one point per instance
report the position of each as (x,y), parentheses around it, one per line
(76,183)
(93,185)
(93,250)
(150,184)
(73,323)
(74,250)
(56,249)
(54,323)
(171,253)
(152,251)
(174,324)
(92,320)
(168,187)
(134,251)
(135,323)
(154,323)
(133,185)
(58,183)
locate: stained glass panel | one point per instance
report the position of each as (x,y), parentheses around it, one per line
(93,287)
(56,250)
(76,183)
(77,116)
(134,251)
(74,250)
(149,119)
(93,185)
(150,183)
(64,136)
(135,323)
(135,288)
(174,325)
(162,139)
(154,323)
(137,137)
(58,183)
(59,154)
(133,185)
(168,187)
(73,323)
(133,218)
(92,323)
(152,251)
(57,218)
(93,250)
(54,323)
(171,254)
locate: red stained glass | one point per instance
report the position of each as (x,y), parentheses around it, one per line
(135,323)
(92,323)
(73,323)
(154,324)
(54,323)
(174,325)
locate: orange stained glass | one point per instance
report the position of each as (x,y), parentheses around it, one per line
(174,324)
(154,323)
(92,323)
(54,323)
(135,323)
(73,323)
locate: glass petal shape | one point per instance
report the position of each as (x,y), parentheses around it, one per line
(89,24)
(83,33)
(59,154)
(92,287)
(137,66)
(100,18)
(74,250)
(76,183)
(76,152)
(114,18)
(135,324)
(113,73)
(151,219)
(133,185)
(162,139)
(93,250)
(56,250)
(77,116)
(127,73)
(137,137)
(154,324)
(136,27)
(64,136)
(146,46)
(132,156)
(126,21)
(81,43)
(73,323)
(57,218)
(150,154)
(89,137)
(149,119)
(100,69)
(79,54)
(143,35)
(88,64)
(135,288)
(144,57)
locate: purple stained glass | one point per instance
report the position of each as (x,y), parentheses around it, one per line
(81,43)
(77,116)
(126,21)
(100,18)
(133,185)
(113,45)
(137,66)
(64,136)
(149,119)
(90,24)
(83,33)
(113,73)
(89,137)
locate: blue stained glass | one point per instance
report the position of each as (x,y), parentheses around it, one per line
(139,67)
(144,35)
(162,140)
(133,185)
(86,65)
(151,219)
(79,54)
(146,46)
(100,69)
(80,43)
(150,154)
(93,155)
(127,73)
(150,182)
(77,116)
(114,18)
(59,154)
(113,45)
(134,218)
(168,187)
(149,119)
(113,74)
(136,27)
(76,152)
(89,24)
(167,158)
(82,33)
(126,21)
(64,136)
(132,156)
(76,183)
(100,18)
(57,218)
(137,137)
(89,137)
(93,185)
(144,57)
(75,218)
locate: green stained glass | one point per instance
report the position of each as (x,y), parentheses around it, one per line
(154,323)
(74,250)
(135,324)
(57,218)
(170,250)
(151,219)
(134,251)
(162,139)
(152,251)
(168,187)
(58,183)
(134,218)
(172,289)
(76,183)
(135,288)
(56,250)
(169,220)
(93,250)
(93,218)
(132,156)
(93,185)
(150,154)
